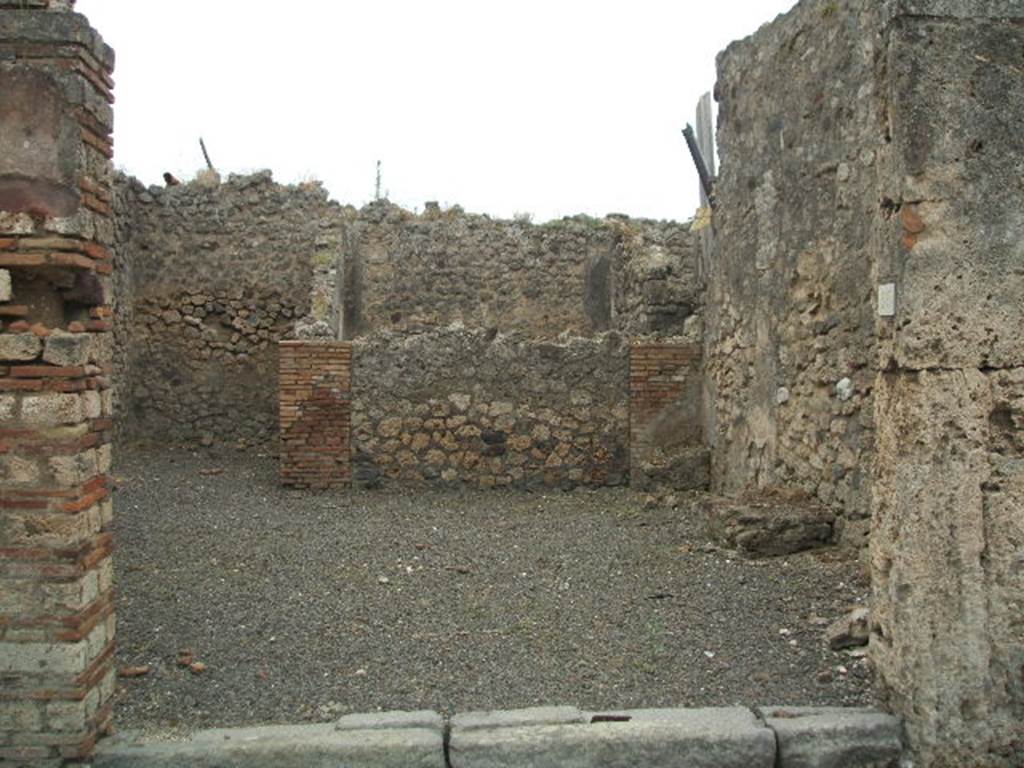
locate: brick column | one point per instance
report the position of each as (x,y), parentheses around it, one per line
(666,434)
(316,412)
(56,599)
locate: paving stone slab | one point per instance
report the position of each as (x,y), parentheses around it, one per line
(510,718)
(834,737)
(303,746)
(423,718)
(695,738)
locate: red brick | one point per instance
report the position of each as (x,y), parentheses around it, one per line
(22,259)
(21,385)
(46,371)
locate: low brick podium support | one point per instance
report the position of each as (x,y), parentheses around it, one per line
(316,413)
(666,434)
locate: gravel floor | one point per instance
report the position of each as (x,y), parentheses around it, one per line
(305,605)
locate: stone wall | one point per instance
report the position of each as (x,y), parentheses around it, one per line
(948,540)
(790,330)
(212,276)
(316,413)
(126,224)
(866,279)
(408,272)
(56,579)
(486,409)
(656,287)
(479,408)
(216,274)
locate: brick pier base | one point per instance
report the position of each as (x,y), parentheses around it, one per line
(316,412)
(666,434)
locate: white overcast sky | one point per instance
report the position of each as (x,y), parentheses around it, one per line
(552,108)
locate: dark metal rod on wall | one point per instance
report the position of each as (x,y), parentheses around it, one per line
(706,182)
(206,154)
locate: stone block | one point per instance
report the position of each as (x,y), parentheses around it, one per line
(20,346)
(67,349)
(72,715)
(34,528)
(106,512)
(946,559)
(18,470)
(849,631)
(996,9)
(959,282)
(686,470)
(834,737)
(45,658)
(23,716)
(75,469)
(423,718)
(104,458)
(72,595)
(514,718)
(92,404)
(769,524)
(697,738)
(51,409)
(5,285)
(102,633)
(304,746)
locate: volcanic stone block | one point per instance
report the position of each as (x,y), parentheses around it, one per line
(51,409)
(374,721)
(286,746)
(20,346)
(834,737)
(946,555)
(518,718)
(685,470)
(769,525)
(63,348)
(696,738)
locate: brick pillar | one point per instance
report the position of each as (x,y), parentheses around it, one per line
(56,600)
(666,433)
(316,413)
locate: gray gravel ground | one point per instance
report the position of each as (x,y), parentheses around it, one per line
(307,605)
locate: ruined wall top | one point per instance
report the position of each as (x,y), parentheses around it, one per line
(63,27)
(958,9)
(28,5)
(581,275)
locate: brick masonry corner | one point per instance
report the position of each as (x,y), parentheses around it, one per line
(315,413)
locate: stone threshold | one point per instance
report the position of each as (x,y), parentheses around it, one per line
(728,737)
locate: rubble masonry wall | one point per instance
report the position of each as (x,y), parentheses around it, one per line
(869,229)
(790,327)
(213,275)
